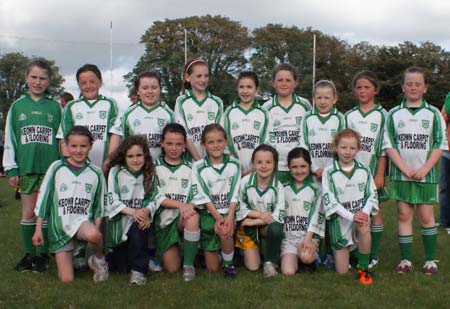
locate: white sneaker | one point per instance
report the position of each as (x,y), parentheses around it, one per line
(100,271)
(269,270)
(153,265)
(188,273)
(404,267)
(430,268)
(373,263)
(137,278)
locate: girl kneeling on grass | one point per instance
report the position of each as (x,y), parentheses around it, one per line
(349,198)
(261,209)
(305,220)
(71,200)
(133,200)
(215,185)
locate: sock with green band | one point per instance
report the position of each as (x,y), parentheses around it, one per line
(376,232)
(429,238)
(363,261)
(405,242)
(190,245)
(27,230)
(44,248)
(274,238)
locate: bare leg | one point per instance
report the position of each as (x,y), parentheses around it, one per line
(64,266)
(289,264)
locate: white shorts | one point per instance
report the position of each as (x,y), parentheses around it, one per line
(290,245)
(73,245)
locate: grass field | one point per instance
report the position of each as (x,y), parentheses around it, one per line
(323,288)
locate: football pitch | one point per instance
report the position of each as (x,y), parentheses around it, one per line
(321,289)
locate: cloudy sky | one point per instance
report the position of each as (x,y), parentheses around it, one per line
(77,32)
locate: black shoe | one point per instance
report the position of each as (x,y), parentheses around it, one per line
(25,264)
(40,263)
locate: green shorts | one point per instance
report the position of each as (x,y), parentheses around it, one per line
(383,195)
(168,236)
(30,183)
(209,240)
(414,192)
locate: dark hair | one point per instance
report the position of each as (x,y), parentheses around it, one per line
(89,68)
(119,156)
(42,64)
(173,128)
(273,151)
(370,76)
(80,130)
(324,83)
(66,96)
(248,74)
(340,135)
(415,69)
(299,152)
(284,67)
(212,127)
(150,74)
(188,68)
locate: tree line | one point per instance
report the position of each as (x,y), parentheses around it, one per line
(229,47)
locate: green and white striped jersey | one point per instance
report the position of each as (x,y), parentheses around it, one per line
(345,193)
(285,126)
(175,183)
(194,115)
(140,120)
(218,184)
(251,197)
(126,189)
(370,127)
(246,130)
(304,210)
(68,198)
(30,136)
(99,116)
(414,133)
(318,136)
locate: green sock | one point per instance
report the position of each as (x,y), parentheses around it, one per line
(363,261)
(405,246)
(429,238)
(27,231)
(190,246)
(44,248)
(227,259)
(274,238)
(376,232)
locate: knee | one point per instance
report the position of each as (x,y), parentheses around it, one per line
(288,271)
(65,278)
(94,236)
(404,216)
(192,222)
(170,268)
(276,229)
(307,257)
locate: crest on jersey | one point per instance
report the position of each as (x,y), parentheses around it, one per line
(124,189)
(88,187)
(63,188)
(194,190)
(50,117)
(361,186)
(22,117)
(326,199)
(102,114)
(272,138)
(110,198)
(307,206)
(136,123)
(298,120)
(333,132)
(161,122)
(321,218)
(312,132)
(211,116)
(162,183)
(401,124)
(256,125)
(79,116)
(425,124)
(373,127)
(235,126)
(190,117)
(270,207)
(339,191)
(276,123)
(184,183)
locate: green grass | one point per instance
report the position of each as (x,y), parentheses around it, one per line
(210,290)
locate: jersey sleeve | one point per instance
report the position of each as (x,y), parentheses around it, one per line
(153,200)
(439,133)
(114,118)
(279,211)
(243,208)
(200,190)
(100,200)
(67,121)
(389,139)
(115,204)
(304,136)
(179,114)
(11,143)
(235,184)
(316,219)
(45,196)
(331,204)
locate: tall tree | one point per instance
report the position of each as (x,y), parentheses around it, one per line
(217,39)
(12,78)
